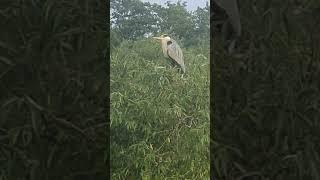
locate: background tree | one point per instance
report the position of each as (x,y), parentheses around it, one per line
(177,20)
(201,23)
(134,19)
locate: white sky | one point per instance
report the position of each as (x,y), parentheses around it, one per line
(191,4)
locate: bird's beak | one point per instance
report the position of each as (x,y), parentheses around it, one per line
(159,38)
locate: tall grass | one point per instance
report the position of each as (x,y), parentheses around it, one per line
(159,119)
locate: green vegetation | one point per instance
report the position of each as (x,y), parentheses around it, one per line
(132,19)
(159,120)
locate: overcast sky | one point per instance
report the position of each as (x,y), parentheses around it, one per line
(191,4)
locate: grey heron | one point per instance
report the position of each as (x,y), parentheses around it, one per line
(172,50)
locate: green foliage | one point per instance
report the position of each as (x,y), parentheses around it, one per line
(201,21)
(177,20)
(159,120)
(133,19)
(115,38)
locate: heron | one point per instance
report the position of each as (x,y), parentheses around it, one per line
(172,50)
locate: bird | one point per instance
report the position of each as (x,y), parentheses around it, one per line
(172,50)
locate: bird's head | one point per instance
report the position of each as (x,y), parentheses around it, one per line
(163,37)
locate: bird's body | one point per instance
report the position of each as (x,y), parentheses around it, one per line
(172,50)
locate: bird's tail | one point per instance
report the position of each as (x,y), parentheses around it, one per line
(181,67)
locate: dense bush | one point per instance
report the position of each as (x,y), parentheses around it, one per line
(159,120)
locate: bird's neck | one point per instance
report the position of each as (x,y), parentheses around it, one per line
(164,47)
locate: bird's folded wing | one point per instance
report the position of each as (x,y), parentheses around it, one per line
(175,53)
